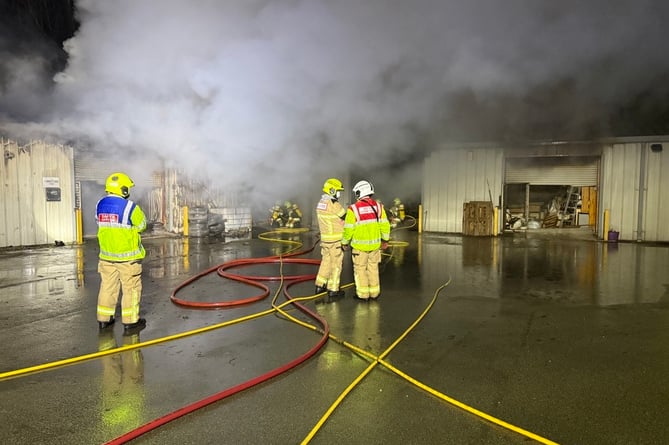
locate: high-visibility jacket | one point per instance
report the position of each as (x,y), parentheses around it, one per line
(366,225)
(330,219)
(120,222)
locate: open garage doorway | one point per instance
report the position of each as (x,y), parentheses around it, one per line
(550,206)
(551,193)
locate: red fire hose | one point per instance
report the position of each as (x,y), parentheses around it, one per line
(222,271)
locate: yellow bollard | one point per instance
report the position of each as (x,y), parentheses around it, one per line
(420,218)
(185,220)
(605,225)
(80,226)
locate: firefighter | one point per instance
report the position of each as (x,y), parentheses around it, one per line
(330,215)
(367,231)
(120,222)
(397,213)
(276,218)
(293,215)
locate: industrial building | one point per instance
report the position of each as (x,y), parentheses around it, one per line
(617,185)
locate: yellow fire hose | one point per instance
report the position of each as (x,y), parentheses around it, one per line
(279,309)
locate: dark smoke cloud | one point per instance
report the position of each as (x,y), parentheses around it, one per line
(261,89)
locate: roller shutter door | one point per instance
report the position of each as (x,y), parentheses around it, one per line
(564,170)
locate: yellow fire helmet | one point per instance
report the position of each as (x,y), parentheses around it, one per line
(332,186)
(119,184)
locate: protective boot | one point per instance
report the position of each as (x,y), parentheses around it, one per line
(106,324)
(335,294)
(132,328)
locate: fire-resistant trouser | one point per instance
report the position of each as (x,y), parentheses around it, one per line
(120,276)
(329,272)
(366,273)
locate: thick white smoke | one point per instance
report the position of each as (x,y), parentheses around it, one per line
(265,92)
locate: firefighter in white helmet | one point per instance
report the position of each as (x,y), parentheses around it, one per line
(367,231)
(120,222)
(330,215)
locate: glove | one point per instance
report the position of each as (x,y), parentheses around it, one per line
(384,245)
(344,247)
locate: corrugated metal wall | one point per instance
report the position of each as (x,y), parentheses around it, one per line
(656,194)
(27,173)
(620,188)
(453,176)
(635,181)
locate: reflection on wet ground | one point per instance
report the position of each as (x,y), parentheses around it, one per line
(567,270)
(563,336)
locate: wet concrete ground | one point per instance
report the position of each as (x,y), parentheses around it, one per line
(562,336)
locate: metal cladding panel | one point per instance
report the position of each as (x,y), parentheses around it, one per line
(37,200)
(576,171)
(27,220)
(620,188)
(10,204)
(656,189)
(454,176)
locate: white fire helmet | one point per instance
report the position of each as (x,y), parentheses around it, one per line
(362,189)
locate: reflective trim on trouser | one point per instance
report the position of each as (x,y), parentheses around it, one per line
(366,273)
(115,277)
(329,272)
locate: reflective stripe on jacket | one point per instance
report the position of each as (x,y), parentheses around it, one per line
(119,223)
(330,222)
(366,225)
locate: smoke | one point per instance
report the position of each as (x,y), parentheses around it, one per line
(267,93)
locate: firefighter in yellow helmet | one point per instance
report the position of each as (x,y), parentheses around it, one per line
(120,222)
(293,215)
(397,213)
(330,215)
(276,219)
